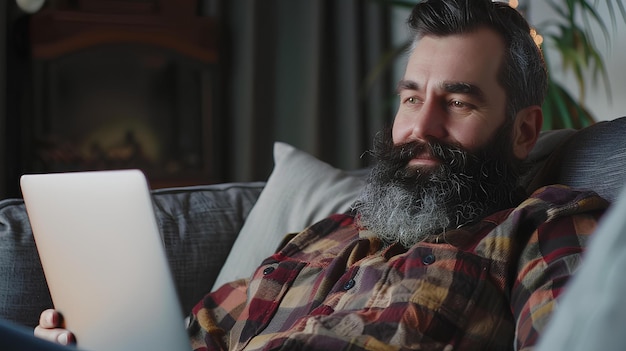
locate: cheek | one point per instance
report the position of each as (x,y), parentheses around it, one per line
(473,137)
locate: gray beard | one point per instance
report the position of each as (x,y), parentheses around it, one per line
(389,213)
(407,205)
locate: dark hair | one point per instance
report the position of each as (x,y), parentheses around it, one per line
(523,74)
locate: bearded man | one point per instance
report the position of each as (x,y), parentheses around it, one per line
(439,252)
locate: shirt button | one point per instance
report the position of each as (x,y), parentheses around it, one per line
(428,259)
(268,270)
(349,284)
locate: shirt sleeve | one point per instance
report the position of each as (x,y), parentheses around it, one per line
(213,317)
(550,257)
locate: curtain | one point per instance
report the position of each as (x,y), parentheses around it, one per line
(295,71)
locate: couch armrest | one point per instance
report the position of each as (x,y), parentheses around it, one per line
(23,289)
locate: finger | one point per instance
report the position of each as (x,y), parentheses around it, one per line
(50,319)
(59,336)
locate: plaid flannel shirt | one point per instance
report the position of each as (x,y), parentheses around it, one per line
(488,286)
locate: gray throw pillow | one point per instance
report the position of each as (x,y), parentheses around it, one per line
(300,191)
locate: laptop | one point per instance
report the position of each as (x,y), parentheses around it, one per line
(104,260)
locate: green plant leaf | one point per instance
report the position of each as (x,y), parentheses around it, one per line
(589,10)
(620,5)
(560,110)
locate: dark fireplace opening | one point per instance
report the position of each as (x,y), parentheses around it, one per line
(117,85)
(124,106)
(109,84)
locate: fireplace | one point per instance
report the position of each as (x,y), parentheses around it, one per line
(125,84)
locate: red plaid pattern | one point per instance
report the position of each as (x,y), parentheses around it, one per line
(488,286)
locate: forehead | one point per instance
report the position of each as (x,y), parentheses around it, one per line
(473,57)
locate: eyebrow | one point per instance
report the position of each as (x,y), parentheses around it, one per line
(463,88)
(450,87)
(407,85)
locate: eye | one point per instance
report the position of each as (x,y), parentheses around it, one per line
(411,100)
(460,105)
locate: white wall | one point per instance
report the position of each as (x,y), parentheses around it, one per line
(596,99)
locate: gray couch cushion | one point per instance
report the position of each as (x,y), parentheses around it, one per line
(592,158)
(23,289)
(300,191)
(199,225)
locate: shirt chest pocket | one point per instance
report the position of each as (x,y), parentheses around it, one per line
(438,290)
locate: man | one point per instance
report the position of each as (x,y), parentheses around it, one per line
(435,254)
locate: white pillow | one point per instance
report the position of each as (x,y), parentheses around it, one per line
(300,191)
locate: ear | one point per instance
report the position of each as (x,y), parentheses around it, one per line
(526,130)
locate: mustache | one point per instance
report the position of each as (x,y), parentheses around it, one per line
(443,152)
(397,156)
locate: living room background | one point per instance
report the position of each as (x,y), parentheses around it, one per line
(288,70)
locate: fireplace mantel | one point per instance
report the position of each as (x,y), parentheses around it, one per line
(64,27)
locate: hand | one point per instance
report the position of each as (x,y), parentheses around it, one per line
(50,328)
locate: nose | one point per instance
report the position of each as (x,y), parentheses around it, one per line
(424,122)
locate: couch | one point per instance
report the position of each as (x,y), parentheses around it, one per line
(218,232)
